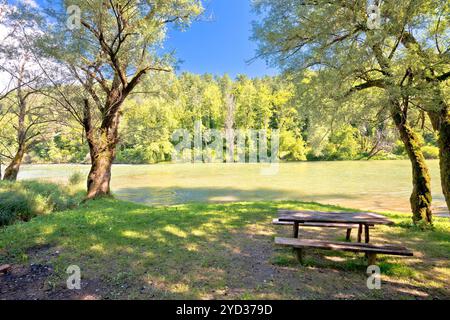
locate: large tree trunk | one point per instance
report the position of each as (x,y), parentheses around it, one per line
(441,123)
(439,119)
(99,178)
(102,146)
(12,170)
(444,158)
(421,196)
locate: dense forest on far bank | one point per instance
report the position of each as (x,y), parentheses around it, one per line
(308,131)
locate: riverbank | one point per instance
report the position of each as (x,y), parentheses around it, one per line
(192,251)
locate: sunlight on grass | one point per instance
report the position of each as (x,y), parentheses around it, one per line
(134,235)
(98,248)
(216,251)
(175,231)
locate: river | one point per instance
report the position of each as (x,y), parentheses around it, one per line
(367,185)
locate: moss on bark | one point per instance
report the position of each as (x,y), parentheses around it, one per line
(421,197)
(444,157)
(12,171)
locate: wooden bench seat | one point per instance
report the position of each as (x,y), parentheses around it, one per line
(370,249)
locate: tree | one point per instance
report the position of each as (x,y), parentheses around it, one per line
(109,54)
(432,70)
(334,37)
(25,113)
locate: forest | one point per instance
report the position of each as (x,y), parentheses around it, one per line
(309,129)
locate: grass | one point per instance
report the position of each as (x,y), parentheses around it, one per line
(28,199)
(206,251)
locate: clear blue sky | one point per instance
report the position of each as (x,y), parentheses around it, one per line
(219,43)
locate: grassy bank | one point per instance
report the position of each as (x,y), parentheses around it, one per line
(204,251)
(22,201)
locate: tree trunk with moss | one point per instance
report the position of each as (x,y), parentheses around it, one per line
(444,158)
(440,118)
(99,178)
(441,123)
(102,146)
(421,196)
(12,171)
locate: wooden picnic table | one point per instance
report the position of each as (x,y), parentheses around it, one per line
(363,219)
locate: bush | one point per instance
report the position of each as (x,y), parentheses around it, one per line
(383,155)
(14,205)
(342,144)
(430,152)
(292,148)
(399,148)
(76,178)
(21,201)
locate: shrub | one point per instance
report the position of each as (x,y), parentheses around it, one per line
(21,201)
(14,205)
(383,155)
(430,152)
(292,148)
(399,148)
(342,144)
(75,179)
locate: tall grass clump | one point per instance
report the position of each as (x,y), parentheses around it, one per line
(76,178)
(22,201)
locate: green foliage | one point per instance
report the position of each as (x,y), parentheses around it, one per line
(342,144)
(25,200)
(76,178)
(399,148)
(430,152)
(266,103)
(349,73)
(14,206)
(292,148)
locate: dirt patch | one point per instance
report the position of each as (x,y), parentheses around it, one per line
(38,281)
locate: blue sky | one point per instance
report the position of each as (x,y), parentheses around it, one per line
(219,43)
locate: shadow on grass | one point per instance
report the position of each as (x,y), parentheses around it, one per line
(193,251)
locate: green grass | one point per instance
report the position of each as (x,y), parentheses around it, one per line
(28,199)
(211,251)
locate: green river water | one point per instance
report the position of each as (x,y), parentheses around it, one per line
(367,185)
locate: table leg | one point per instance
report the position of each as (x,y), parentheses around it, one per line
(349,235)
(295,233)
(366,232)
(360,233)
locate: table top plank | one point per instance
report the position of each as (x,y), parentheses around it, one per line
(333,217)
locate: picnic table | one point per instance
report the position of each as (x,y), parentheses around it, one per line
(363,219)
